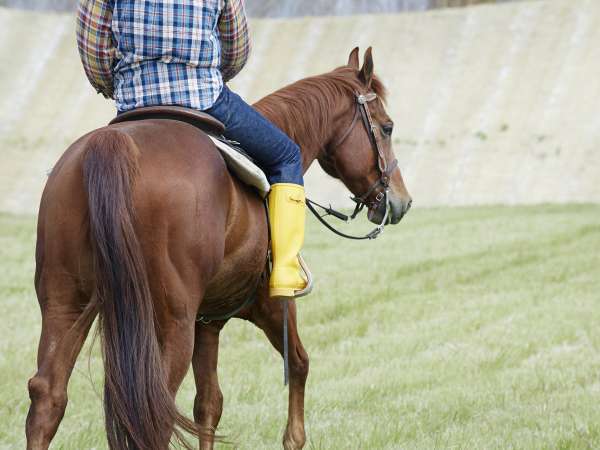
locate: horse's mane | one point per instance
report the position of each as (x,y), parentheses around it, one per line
(303,110)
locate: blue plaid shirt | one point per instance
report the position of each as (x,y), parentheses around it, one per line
(162,52)
(168,53)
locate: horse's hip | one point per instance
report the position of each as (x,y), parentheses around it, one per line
(203,234)
(222,220)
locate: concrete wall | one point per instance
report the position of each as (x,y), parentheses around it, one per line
(290,8)
(492,104)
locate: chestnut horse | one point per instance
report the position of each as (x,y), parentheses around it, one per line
(142,225)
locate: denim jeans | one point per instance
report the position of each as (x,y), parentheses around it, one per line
(274,152)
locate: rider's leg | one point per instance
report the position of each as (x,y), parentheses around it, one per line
(270,147)
(281,160)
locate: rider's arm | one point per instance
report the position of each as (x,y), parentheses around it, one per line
(235,38)
(96,46)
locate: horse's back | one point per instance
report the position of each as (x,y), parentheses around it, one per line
(172,157)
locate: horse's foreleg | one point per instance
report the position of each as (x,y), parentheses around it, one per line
(64,329)
(208,404)
(268,315)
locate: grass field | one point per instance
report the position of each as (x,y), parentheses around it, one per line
(464,328)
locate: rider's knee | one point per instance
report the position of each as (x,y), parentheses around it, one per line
(290,154)
(286,166)
(291,163)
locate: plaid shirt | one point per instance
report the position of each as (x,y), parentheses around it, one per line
(162,52)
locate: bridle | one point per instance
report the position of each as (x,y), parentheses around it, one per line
(385,169)
(385,172)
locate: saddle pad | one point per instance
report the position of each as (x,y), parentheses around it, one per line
(248,172)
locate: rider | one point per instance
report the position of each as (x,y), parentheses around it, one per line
(182,52)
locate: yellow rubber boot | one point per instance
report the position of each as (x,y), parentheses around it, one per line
(287,215)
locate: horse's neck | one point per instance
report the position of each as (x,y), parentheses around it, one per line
(307,142)
(311,139)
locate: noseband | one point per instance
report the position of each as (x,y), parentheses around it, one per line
(385,172)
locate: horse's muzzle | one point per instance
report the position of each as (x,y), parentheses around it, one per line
(397,209)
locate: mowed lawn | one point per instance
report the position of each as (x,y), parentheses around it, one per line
(460,328)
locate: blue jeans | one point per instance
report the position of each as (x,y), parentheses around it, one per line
(274,152)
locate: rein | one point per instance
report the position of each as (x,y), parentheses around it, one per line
(385,172)
(332,212)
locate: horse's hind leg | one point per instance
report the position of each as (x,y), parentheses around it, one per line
(177,337)
(65,325)
(176,307)
(208,404)
(268,315)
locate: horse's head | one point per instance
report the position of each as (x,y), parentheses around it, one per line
(360,153)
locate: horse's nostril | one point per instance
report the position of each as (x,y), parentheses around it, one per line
(409,204)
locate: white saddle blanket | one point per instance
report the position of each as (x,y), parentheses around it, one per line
(243,168)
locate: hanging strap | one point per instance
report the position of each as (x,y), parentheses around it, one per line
(329,211)
(286,349)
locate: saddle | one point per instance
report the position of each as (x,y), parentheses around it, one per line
(238,162)
(199,119)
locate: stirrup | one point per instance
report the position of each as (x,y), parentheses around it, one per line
(309,279)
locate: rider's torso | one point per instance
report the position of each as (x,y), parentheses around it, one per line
(168,53)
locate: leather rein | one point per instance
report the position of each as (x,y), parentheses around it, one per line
(385,173)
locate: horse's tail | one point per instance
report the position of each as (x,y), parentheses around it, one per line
(140,412)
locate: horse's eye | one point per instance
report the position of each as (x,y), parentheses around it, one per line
(388,128)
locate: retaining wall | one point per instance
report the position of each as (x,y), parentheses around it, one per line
(492,104)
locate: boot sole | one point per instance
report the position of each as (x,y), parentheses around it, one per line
(282,292)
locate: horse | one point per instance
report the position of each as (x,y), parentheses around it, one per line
(142,225)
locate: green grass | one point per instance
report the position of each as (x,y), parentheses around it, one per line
(465,328)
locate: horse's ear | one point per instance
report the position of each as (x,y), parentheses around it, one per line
(353,59)
(366,73)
